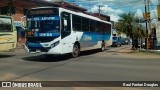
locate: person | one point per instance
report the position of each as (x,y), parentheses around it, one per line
(136,43)
(133,43)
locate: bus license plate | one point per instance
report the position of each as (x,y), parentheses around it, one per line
(38,50)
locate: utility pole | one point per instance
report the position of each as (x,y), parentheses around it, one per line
(158,10)
(99,9)
(10,7)
(146,40)
(149,17)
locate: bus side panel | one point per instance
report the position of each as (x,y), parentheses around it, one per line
(69,41)
(15,36)
(91,40)
(7,41)
(108,40)
(8,38)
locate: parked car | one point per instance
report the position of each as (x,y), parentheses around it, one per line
(126,41)
(116,41)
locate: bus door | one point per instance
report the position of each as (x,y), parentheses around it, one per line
(65,32)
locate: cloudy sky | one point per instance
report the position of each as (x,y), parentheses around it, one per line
(115,7)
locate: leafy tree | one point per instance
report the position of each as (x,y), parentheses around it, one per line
(129,24)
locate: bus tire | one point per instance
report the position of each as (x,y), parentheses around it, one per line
(102,47)
(76,51)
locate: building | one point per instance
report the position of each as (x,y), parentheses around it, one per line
(18,8)
(102,16)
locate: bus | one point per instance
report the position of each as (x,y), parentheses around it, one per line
(8,34)
(55,30)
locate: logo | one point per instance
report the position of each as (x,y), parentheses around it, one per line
(87,38)
(35,34)
(6,84)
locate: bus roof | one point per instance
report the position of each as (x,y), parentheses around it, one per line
(5,16)
(75,13)
(84,15)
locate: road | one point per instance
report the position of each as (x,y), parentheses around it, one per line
(114,64)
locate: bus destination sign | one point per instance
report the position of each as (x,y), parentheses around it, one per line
(37,12)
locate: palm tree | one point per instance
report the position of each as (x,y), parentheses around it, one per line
(129,25)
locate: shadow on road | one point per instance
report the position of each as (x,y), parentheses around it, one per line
(6,56)
(43,58)
(91,52)
(57,58)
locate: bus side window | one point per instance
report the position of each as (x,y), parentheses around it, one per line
(85,24)
(76,20)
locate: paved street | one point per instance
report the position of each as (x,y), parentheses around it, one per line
(114,64)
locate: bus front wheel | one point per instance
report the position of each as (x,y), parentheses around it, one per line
(76,51)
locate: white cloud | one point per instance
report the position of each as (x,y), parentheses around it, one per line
(154,14)
(114,17)
(154,1)
(139,13)
(115,7)
(113,13)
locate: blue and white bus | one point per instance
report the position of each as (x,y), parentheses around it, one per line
(57,30)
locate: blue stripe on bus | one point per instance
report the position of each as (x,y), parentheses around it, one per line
(90,39)
(36,45)
(49,34)
(37,34)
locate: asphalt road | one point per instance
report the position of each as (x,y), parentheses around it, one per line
(114,64)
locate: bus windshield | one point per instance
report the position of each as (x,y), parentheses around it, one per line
(5,24)
(44,24)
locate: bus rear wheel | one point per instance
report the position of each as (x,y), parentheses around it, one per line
(76,51)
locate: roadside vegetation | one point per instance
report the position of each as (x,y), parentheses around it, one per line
(129,25)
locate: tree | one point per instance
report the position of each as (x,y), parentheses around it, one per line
(129,25)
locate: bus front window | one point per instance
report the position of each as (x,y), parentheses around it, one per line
(48,25)
(44,26)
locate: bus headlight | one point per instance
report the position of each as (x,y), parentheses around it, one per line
(54,44)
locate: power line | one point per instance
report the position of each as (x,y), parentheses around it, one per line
(127,6)
(113,7)
(95,1)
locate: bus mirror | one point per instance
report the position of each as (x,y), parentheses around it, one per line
(65,22)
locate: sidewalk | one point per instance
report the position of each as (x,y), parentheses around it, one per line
(151,51)
(126,50)
(20,46)
(139,53)
(129,50)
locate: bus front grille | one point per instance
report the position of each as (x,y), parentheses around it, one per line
(41,49)
(40,39)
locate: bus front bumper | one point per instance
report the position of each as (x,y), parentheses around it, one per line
(43,50)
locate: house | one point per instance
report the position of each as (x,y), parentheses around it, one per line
(17,8)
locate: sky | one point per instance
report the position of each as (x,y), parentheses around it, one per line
(114,8)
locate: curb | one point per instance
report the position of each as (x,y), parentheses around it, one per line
(151,51)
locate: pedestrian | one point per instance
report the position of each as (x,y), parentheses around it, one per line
(136,43)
